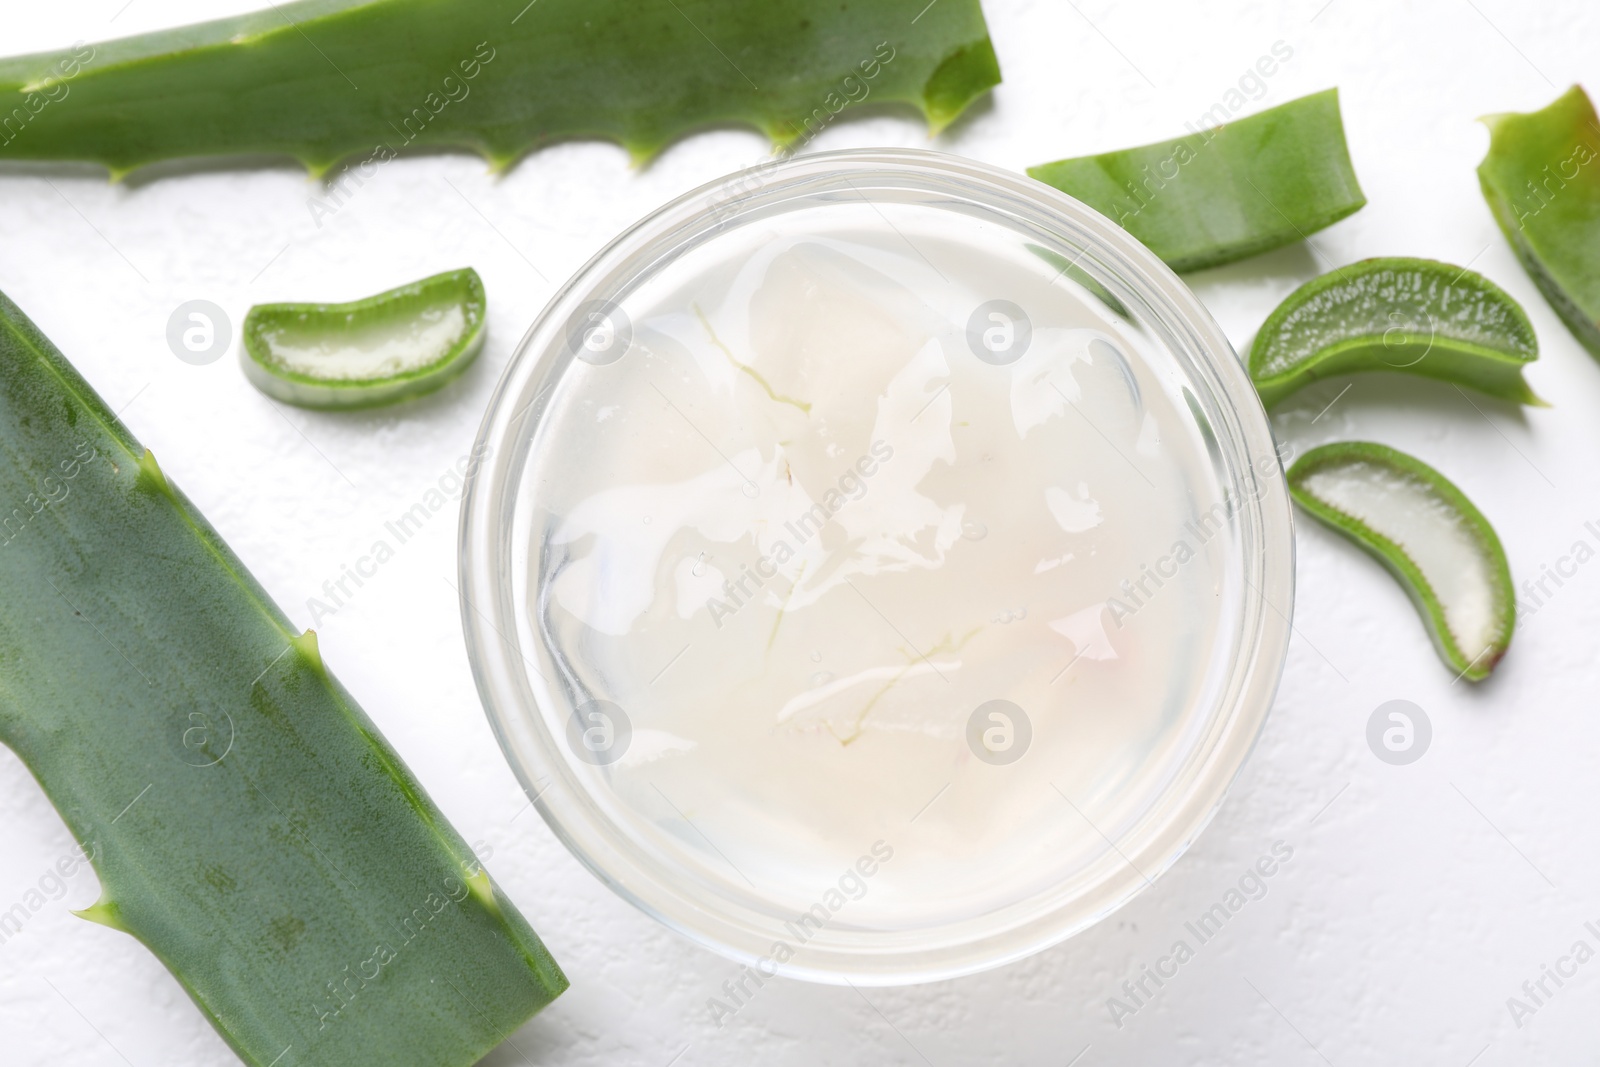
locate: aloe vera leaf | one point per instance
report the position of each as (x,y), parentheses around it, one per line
(321,80)
(1425,530)
(401,343)
(1417,316)
(1227,192)
(247,821)
(1542,180)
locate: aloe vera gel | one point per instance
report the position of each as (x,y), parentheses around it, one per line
(862,531)
(804,527)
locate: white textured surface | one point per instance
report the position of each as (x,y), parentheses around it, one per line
(1418,898)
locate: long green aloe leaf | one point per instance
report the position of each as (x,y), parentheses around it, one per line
(1227,192)
(248,823)
(1542,180)
(1416,316)
(1425,531)
(322,80)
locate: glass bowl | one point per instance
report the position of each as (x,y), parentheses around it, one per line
(878,566)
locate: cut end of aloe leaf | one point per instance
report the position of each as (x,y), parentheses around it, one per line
(398,344)
(1541,178)
(1414,316)
(1227,191)
(966,74)
(1429,535)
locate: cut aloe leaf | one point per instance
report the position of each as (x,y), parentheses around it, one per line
(1227,192)
(1542,180)
(247,821)
(1427,533)
(398,344)
(1417,316)
(322,80)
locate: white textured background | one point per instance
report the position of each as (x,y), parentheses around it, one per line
(1418,898)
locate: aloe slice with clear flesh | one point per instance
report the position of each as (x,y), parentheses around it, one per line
(1417,316)
(1541,177)
(1421,527)
(401,343)
(247,821)
(1227,192)
(323,80)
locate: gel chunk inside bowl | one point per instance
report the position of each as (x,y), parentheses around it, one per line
(880,566)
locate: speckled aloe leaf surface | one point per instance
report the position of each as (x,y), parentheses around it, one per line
(1415,316)
(248,823)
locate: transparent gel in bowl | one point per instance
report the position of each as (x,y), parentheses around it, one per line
(879,567)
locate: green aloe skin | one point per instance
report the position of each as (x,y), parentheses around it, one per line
(1415,316)
(1228,192)
(323,80)
(1542,180)
(401,343)
(1404,484)
(247,822)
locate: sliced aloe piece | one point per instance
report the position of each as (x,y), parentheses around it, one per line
(247,821)
(1224,193)
(398,344)
(1542,180)
(1428,533)
(323,80)
(1418,316)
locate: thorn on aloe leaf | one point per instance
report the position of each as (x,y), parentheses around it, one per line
(306,645)
(499,162)
(105,912)
(151,476)
(483,890)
